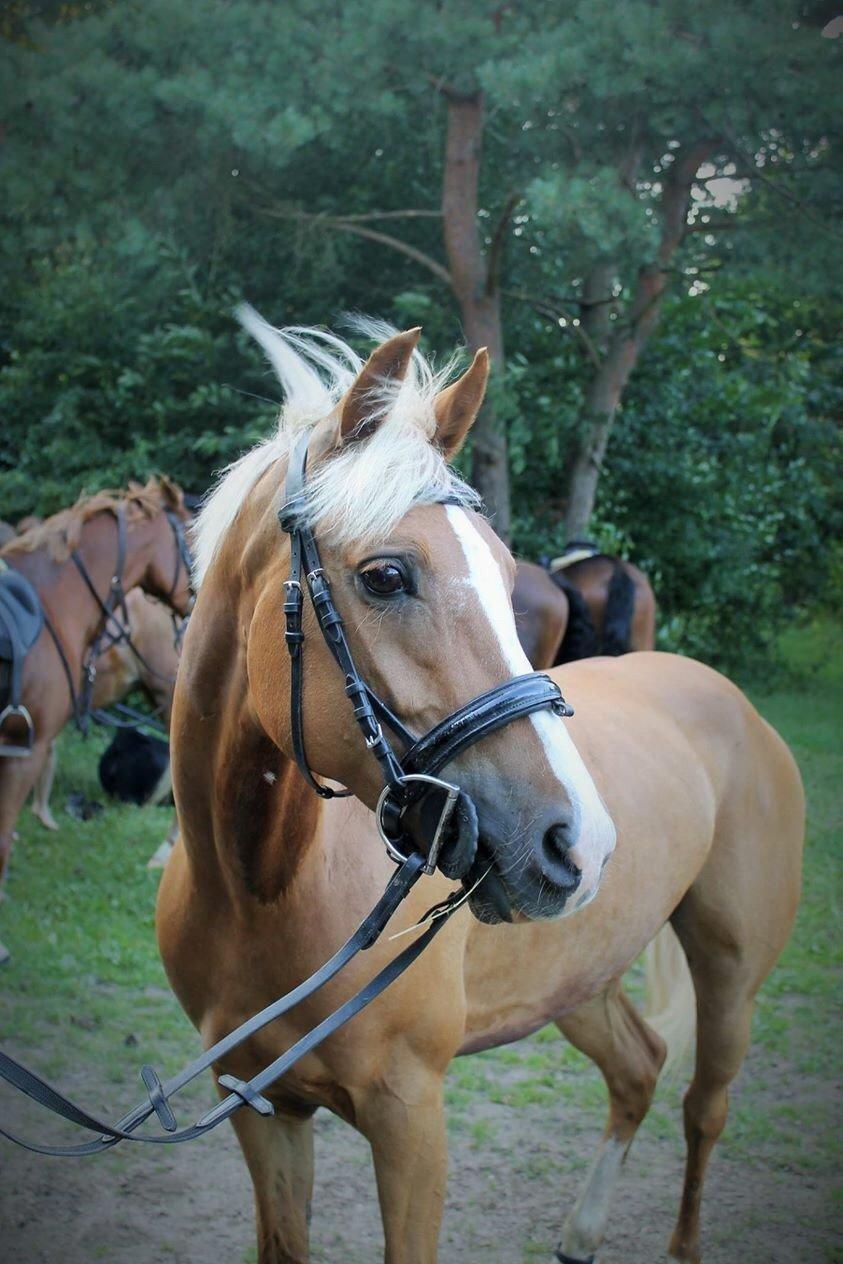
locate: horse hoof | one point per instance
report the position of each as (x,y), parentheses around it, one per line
(160,856)
(47,819)
(571,1259)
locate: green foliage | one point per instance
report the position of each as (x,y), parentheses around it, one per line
(163,159)
(723,479)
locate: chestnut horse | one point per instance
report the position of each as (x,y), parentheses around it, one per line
(597,605)
(44,555)
(541,611)
(664,755)
(119,669)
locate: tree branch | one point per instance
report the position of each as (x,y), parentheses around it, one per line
(722,226)
(493,264)
(349,224)
(771,183)
(543,307)
(408,214)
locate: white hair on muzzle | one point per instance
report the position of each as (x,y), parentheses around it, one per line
(364,488)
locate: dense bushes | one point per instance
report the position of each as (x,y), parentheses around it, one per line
(162,160)
(723,476)
(720,479)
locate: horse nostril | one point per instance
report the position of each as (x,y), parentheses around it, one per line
(556,860)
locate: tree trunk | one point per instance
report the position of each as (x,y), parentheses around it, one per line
(476,288)
(628,340)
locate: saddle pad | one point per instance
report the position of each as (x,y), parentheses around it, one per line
(21,615)
(578,552)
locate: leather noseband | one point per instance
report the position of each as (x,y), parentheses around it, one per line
(444,814)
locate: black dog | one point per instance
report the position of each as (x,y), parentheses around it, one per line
(133,767)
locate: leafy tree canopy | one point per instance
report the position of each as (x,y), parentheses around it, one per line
(162,159)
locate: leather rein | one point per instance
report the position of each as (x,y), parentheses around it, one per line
(448,825)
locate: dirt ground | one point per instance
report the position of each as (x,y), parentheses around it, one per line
(513,1174)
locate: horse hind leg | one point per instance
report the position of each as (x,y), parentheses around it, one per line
(725,995)
(17,777)
(279,1154)
(610,1031)
(43,790)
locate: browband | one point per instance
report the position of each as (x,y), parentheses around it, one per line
(411,778)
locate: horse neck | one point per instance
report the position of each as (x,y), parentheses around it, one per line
(98,551)
(247,818)
(76,615)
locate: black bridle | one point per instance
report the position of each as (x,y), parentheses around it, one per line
(409,782)
(115,630)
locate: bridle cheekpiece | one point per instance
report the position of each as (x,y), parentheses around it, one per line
(446,813)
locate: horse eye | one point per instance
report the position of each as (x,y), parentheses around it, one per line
(386,579)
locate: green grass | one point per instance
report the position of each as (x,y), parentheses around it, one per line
(86,987)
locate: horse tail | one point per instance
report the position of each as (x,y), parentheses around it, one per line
(580,639)
(671,1005)
(620,607)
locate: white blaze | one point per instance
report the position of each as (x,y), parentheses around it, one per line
(597,832)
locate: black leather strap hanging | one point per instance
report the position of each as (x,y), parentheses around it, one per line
(116,629)
(242,1093)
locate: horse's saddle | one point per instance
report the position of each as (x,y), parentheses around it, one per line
(575,551)
(21,621)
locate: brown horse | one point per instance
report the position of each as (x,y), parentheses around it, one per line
(541,611)
(119,669)
(607,606)
(44,556)
(28,523)
(267,879)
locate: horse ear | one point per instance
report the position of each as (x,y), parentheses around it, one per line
(171,493)
(362,408)
(458,405)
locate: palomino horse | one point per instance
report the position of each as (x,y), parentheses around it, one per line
(604,605)
(151,661)
(664,755)
(53,670)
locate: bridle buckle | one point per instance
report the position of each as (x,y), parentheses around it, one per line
(452,794)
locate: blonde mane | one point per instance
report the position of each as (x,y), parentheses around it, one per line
(364,488)
(61,533)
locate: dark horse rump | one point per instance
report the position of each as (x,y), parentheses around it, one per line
(21,621)
(581,639)
(132,767)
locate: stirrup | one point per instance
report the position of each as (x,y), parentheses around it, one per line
(17,752)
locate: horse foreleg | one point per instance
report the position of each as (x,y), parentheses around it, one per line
(405,1126)
(43,790)
(17,777)
(610,1031)
(279,1154)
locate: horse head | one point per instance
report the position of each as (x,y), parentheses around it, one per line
(167,571)
(423,586)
